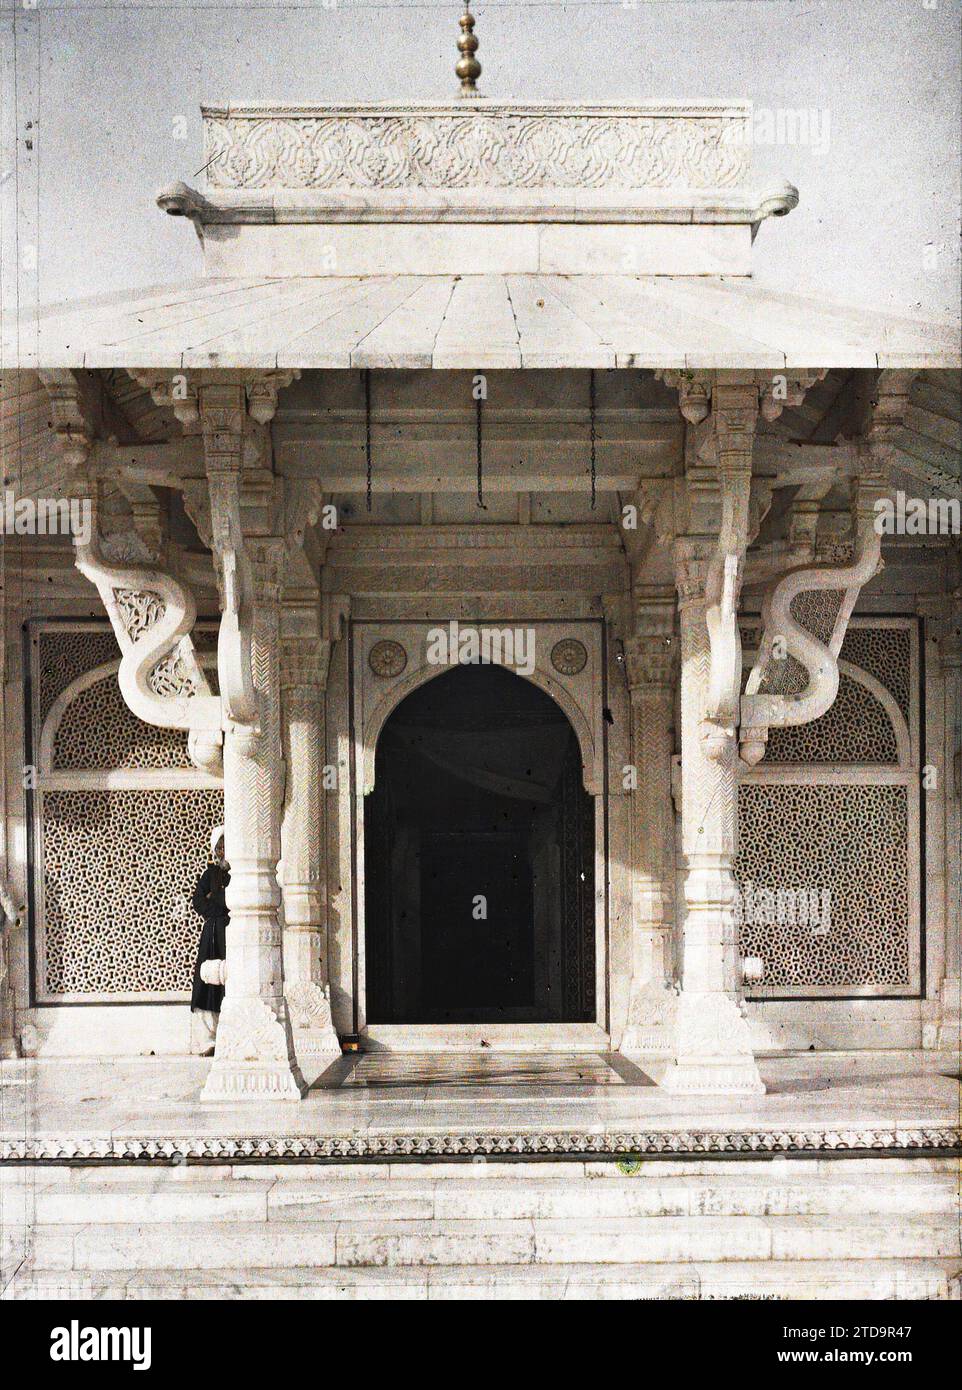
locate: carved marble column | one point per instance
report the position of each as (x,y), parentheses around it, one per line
(254,1056)
(8,912)
(713,1052)
(304,664)
(950,997)
(650,659)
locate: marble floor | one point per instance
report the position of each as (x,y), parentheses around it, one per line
(389,1070)
(386,1105)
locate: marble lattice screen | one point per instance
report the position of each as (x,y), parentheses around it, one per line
(835,807)
(119,823)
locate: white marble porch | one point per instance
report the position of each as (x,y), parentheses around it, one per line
(149,1109)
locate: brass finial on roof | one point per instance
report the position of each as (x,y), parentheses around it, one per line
(467,67)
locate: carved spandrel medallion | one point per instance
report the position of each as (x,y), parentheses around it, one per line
(569,656)
(387,658)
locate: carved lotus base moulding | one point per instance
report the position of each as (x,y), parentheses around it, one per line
(934,1141)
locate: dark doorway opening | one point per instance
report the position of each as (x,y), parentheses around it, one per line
(479,858)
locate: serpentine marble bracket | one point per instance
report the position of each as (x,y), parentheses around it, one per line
(152,614)
(785,640)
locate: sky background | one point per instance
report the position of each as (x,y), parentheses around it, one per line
(109,96)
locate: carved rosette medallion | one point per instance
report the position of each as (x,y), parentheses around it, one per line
(569,656)
(387,658)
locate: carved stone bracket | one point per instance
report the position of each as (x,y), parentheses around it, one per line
(160,678)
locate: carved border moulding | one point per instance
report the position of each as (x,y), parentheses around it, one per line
(387,658)
(569,656)
(502,146)
(943,1141)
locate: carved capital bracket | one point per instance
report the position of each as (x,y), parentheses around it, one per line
(180,391)
(262,391)
(776,390)
(174,391)
(73,427)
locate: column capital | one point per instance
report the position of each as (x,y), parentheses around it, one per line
(268,555)
(650,651)
(693,557)
(305,654)
(650,663)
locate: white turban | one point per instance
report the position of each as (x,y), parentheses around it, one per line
(216,835)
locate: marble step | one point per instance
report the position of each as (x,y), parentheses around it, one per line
(863,1280)
(156,1199)
(622,1240)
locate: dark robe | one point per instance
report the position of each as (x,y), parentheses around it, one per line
(209,902)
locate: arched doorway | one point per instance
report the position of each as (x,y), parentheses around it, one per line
(479,858)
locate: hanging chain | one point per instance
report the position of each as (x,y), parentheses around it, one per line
(479,447)
(593,436)
(367,432)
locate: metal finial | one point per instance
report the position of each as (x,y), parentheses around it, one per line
(467,67)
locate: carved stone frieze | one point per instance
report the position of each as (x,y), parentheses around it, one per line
(500,147)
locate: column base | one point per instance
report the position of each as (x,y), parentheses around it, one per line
(312,1028)
(713,1054)
(942,1033)
(650,1030)
(253,1059)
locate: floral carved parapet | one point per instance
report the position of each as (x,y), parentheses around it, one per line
(331,148)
